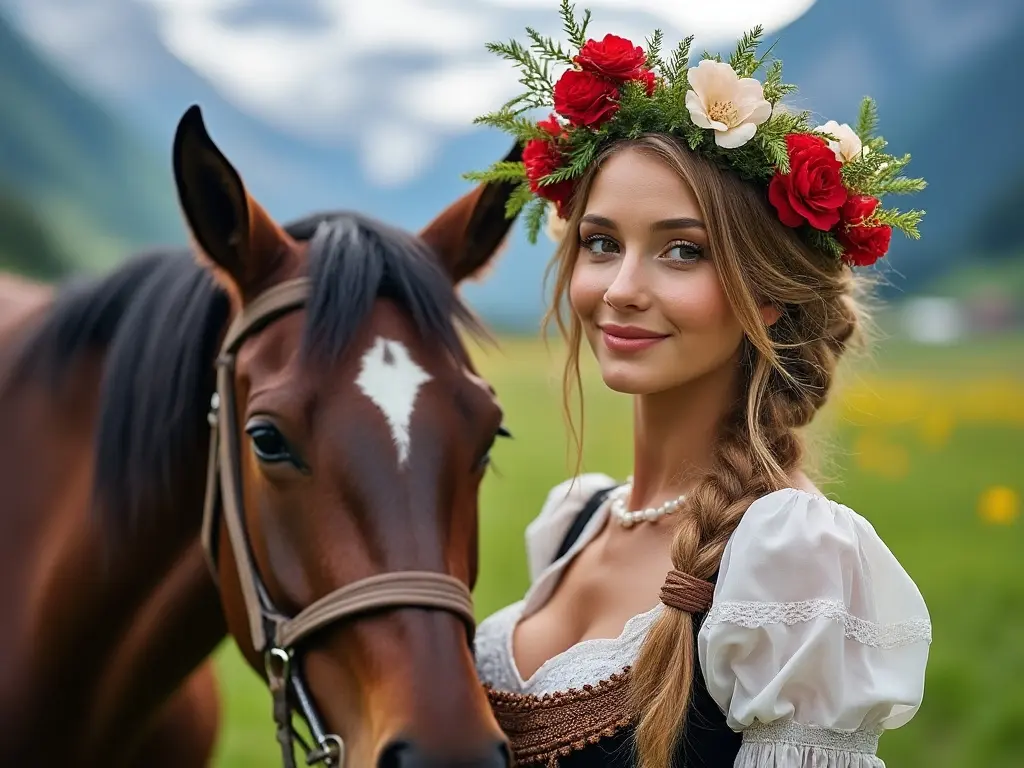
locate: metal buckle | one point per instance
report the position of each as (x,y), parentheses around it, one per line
(330,752)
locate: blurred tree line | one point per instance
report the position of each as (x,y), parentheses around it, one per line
(26,244)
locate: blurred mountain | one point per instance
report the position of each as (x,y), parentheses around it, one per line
(942,72)
(70,172)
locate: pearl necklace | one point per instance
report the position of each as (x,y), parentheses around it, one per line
(627,518)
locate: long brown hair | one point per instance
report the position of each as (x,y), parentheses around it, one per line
(787,373)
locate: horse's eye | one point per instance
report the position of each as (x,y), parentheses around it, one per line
(268,443)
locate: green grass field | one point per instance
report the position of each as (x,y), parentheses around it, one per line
(928,444)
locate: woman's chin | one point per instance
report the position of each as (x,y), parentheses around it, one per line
(627,381)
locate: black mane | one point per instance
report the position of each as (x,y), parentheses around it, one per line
(159,318)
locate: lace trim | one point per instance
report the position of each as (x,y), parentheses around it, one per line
(789,732)
(886,636)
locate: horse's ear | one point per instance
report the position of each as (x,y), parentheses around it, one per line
(468,233)
(243,244)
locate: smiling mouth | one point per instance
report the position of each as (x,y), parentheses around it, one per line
(619,339)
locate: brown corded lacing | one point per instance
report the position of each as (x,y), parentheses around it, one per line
(542,729)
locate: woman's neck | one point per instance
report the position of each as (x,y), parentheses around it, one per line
(674,435)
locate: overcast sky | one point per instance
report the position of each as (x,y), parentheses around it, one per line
(389,73)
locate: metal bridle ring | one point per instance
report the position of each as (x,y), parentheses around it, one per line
(277,662)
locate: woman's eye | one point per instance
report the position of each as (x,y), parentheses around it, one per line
(600,245)
(269,444)
(683,250)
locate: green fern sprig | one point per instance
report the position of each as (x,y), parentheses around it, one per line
(900,185)
(905,221)
(518,200)
(576,30)
(535,74)
(583,146)
(867,119)
(825,242)
(762,59)
(501,171)
(859,176)
(775,148)
(547,49)
(637,112)
(774,88)
(744,58)
(654,43)
(511,122)
(533,217)
(675,70)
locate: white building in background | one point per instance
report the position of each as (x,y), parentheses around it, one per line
(934,320)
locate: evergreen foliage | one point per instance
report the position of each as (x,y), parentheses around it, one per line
(874,172)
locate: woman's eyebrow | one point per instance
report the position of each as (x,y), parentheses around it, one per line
(684,222)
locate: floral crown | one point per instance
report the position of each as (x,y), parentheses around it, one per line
(826,181)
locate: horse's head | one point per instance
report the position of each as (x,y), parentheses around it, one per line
(353,437)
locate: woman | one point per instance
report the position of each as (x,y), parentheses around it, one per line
(707,260)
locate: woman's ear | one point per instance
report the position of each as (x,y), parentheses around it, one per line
(770,314)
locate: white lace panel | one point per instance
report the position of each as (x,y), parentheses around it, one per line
(785,743)
(885,636)
(788,732)
(586,663)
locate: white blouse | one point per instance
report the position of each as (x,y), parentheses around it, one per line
(816,642)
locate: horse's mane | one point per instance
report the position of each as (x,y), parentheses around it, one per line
(158,319)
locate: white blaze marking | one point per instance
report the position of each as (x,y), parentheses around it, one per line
(392,381)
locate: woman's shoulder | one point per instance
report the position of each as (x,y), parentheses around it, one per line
(544,534)
(799,520)
(797,556)
(816,631)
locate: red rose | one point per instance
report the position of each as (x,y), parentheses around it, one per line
(648,78)
(614,57)
(541,158)
(862,245)
(813,189)
(585,99)
(857,208)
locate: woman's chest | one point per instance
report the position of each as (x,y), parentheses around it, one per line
(600,590)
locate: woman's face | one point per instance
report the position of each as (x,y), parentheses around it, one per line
(644,285)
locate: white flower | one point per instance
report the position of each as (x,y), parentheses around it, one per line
(555,226)
(849,146)
(718,98)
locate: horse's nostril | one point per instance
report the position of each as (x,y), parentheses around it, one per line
(397,754)
(504,756)
(403,754)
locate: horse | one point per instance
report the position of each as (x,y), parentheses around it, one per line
(276,433)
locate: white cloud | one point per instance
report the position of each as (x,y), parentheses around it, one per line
(450,96)
(395,153)
(706,20)
(417,70)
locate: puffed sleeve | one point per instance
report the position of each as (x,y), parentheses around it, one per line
(817,639)
(545,532)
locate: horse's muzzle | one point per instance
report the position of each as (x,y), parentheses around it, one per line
(405,754)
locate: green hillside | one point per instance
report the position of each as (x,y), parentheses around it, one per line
(69,167)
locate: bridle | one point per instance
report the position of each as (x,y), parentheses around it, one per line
(276,636)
